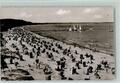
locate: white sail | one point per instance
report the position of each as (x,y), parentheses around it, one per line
(70,29)
(80,29)
(74,28)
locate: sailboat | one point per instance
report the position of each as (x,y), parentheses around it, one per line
(75,28)
(80,29)
(70,29)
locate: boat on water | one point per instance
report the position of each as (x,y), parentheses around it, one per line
(76,28)
(70,29)
(80,29)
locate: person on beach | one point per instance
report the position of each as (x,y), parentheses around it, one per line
(47,70)
(16,64)
(99,67)
(81,58)
(89,70)
(11,60)
(87,55)
(37,63)
(91,58)
(97,75)
(77,65)
(84,64)
(74,71)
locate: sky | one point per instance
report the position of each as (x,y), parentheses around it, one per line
(59,14)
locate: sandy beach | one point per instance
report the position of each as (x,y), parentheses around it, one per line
(48,59)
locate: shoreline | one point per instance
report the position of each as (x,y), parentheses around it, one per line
(111,53)
(81,46)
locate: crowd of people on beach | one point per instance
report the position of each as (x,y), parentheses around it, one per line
(64,58)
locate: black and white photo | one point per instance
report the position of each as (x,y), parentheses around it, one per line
(57,43)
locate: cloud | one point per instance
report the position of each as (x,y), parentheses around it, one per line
(87,10)
(25,15)
(62,12)
(90,10)
(98,16)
